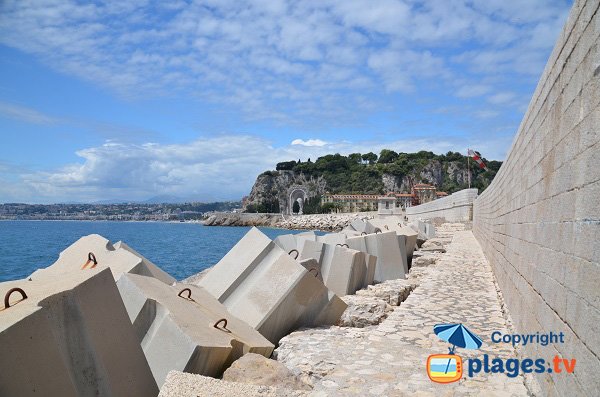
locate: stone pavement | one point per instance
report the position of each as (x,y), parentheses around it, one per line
(389,358)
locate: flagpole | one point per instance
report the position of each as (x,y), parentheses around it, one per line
(469,167)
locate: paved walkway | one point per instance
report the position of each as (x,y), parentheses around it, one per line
(389,359)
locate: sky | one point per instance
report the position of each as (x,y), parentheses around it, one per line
(124,101)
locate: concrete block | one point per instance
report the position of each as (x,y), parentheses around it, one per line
(391,263)
(395,224)
(313,267)
(311,249)
(306,236)
(70,337)
(402,246)
(371,265)
(177,328)
(352,233)
(426,230)
(286,242)
(332,238)
(147,268)
(342,270)
(95,251)
(361,226)
(261,284)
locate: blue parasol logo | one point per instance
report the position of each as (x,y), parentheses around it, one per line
(458,335)
(447,368)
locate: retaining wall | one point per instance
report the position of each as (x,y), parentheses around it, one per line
(457,207)
(539,221)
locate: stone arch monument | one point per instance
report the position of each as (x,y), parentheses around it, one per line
(296,194)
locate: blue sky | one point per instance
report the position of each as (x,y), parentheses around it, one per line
(129,100)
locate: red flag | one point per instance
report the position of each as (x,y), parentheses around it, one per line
(477,157)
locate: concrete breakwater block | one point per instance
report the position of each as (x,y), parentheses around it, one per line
(391,261)
(371,265)
(343,270)
(386,224)
(313,266)
(361,226)
(287,242)
(95,251)
(71,336)
(262,285)
(311,249)
(332,238)
(426,230)
(395,224)
(185,328)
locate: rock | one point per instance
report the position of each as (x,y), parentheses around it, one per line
(435,248)
(423,261)
(180,384)
(393,292)
(431,243)
(363,311)
(258,370)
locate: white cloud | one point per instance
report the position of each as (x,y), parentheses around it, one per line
(216,168)
(501,98)
(475,90)
(26,114)
(486,114)
(309,142)
(286,61)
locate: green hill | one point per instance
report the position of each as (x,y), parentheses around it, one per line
(368,174)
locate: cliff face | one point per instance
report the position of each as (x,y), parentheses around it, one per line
(442,175)
(270,192)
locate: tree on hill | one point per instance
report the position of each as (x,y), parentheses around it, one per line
(387,156)
(370,157)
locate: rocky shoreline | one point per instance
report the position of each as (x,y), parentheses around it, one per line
(325,222)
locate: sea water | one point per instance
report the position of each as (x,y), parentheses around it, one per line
(180,249)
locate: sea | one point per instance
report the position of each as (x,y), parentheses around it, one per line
(180,249)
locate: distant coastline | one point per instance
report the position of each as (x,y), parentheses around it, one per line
(99,220)
(163,212)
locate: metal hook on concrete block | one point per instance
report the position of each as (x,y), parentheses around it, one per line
(91,259)
(189,291)
(344,245)
(9,293)
(363,234)
(316,271)
(386,227)
(297,253)
(224,321)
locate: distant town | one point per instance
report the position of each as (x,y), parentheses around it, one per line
(115,212)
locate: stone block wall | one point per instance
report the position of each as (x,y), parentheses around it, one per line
(539,221)
(454,208)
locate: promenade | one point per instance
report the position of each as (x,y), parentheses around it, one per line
(389,359)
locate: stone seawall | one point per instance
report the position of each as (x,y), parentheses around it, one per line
(539,221)
(328,222)
(243,219)
(458,207)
